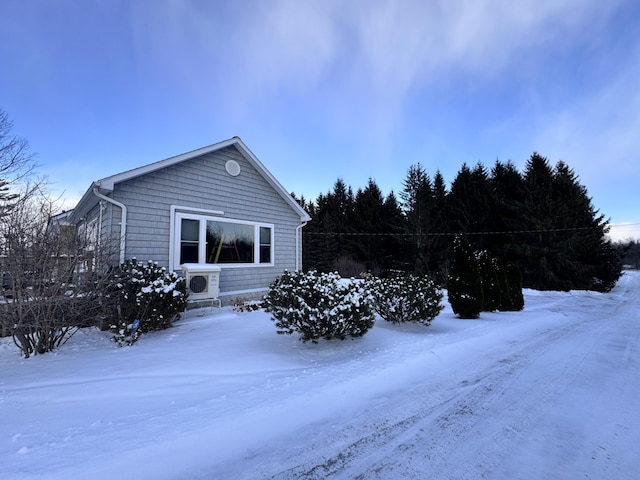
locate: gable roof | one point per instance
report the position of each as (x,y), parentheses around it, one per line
(106,185)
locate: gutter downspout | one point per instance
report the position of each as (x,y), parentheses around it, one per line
(123,221)
(299,245)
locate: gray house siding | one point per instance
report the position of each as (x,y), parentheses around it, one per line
(203,183)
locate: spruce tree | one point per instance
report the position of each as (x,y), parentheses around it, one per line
(394,242)
(465,284)
(369,227)
(309,238)
(482,206)
(501,274)
(417,202)
(459,201)
(440,241)
(537,254)
(334,216)
(490,284)
(585,253)
(318,243)
(566,245)
(514,282)
(508,191)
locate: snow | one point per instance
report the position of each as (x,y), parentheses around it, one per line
(550,392)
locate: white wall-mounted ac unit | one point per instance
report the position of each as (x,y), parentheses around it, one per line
(203,280)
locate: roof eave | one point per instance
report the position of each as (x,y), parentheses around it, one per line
(107,184)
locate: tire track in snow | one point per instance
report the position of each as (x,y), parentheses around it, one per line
(463,429)
(423,434)
(477,415)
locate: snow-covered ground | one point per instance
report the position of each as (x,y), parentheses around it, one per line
(552,392)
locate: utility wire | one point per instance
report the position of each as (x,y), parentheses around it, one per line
(444,234)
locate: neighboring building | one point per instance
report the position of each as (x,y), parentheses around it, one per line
(217,205)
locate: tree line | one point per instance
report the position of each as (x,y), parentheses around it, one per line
(541,219)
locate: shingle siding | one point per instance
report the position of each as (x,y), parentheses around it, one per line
(203,183)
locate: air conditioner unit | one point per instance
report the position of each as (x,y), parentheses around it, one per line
(203,281)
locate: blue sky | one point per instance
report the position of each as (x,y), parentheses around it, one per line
(329,89)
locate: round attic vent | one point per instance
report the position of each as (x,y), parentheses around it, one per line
(232,167)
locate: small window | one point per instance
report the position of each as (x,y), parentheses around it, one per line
(189,240)
(265,245)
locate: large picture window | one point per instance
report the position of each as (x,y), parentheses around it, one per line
(206,239)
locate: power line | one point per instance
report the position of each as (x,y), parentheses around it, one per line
(443,234)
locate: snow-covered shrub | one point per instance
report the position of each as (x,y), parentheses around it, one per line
(147,297)
(319,305)
(409,298)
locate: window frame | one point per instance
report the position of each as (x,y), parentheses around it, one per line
(203,216)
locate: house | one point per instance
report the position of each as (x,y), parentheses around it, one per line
(216,207)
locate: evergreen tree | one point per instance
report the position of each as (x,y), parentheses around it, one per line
(566,247)
(441,241)
(319,243)
(609,268)
(459,201)
(335,214)
(508,191)
(481,206)
(501,275)
(393,243)
(465,283)
(587,258)
(515,301)
(310,239)
(491,295)
(537,254)
(629,252)
(417,203)
(369,226)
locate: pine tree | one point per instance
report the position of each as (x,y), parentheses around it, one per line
(501,274)
(482,206)
(309,237)
(393,242)
(465,283)
(514,283)
(440,242)
(417,203)
(459,201)
(508,190)
(586,258)
(319,243)
(537,254)
(369,227)
(336,210)
(566,247)
(490,284)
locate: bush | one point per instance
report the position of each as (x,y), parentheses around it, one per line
(147,298)
(410,298)
(465,284)
(42,324)
(319,305)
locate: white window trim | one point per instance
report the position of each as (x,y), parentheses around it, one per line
(178,213)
